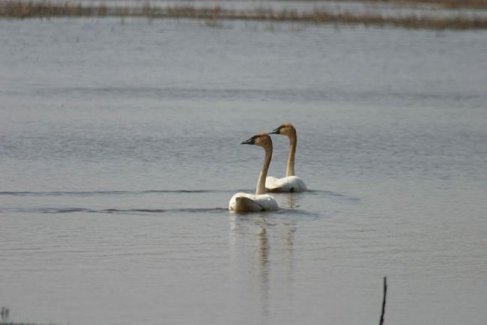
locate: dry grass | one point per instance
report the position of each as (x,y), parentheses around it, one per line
(22,10)
(18,9)
(447,4)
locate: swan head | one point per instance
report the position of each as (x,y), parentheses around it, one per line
(261,140)
(285,129)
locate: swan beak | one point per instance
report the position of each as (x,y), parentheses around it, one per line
(275,131)
(249,141)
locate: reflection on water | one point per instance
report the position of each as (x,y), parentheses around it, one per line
(270,263)
(263,265)
(292,202)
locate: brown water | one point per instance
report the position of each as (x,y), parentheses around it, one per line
(119,146)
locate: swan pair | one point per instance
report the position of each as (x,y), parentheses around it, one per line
(245,202)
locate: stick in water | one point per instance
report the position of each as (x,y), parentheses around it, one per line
(383,302)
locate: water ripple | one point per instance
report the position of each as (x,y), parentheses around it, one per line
(96,193)
(111,210)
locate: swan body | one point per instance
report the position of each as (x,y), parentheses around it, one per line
(245,202)
(285,184)
(291,182)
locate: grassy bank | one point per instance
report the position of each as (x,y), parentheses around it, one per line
(444,4)
(24,10)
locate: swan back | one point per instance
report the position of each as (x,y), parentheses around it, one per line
(285,184)
(245,202)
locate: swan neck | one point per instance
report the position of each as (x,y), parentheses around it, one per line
(263,173)
(292,153)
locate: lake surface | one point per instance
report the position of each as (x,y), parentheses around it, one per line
(119,146)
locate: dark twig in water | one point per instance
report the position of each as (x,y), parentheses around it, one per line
(4,319)
(383,302)
(4,313)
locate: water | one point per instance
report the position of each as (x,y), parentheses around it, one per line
(119,145)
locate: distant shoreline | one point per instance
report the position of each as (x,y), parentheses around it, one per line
(214,14)
(440,4)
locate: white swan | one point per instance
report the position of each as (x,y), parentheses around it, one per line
(245,202)
(290,183)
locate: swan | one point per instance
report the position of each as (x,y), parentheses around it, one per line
(245,202)
(290,183)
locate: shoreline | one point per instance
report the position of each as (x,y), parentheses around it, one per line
(27,10)
(438,4)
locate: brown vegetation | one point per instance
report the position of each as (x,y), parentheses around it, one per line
(22,10)
(447,4)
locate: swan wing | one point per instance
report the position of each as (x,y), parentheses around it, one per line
(267,202)
(285,184)
(244,202)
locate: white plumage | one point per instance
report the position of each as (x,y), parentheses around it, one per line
(285,184)
(246,202)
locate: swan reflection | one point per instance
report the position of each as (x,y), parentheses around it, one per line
(262,248)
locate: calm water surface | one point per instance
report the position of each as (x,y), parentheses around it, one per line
(119,146)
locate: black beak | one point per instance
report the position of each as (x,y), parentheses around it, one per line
(249,141)
(275,131)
